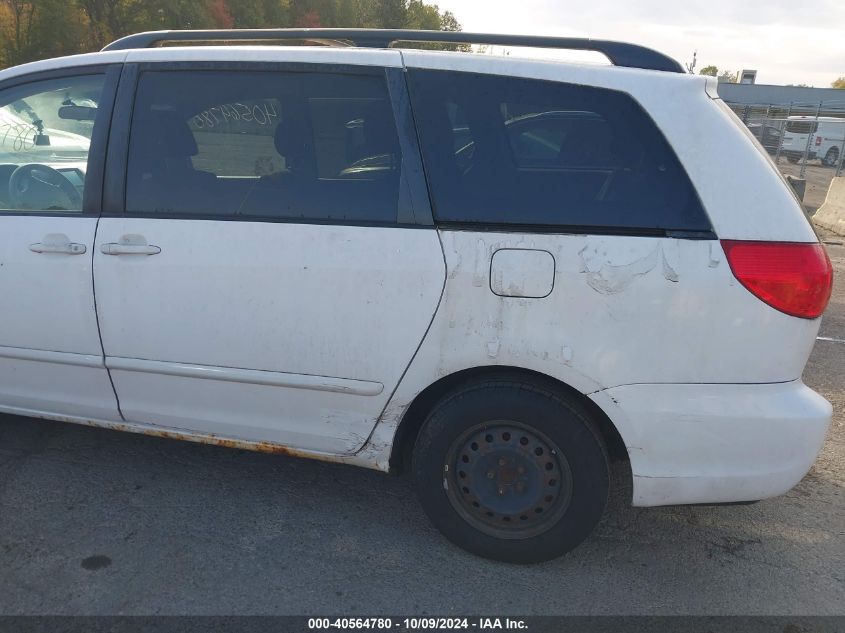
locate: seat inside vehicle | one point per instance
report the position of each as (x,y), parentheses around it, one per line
(348,173)
(6,172)
(167,178)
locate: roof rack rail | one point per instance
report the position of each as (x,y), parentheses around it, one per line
(619,53)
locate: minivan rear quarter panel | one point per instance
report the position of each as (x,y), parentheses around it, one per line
(626,309)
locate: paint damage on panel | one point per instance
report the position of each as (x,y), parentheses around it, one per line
(669,272)
(712,261)
(493,348)
(481,264)
(612,279)
(215,440)
(226,442)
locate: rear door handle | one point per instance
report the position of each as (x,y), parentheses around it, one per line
(130,245)
(113,248)
(58,243)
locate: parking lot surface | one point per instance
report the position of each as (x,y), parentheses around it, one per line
(102,522)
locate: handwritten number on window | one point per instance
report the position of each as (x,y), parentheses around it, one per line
(262,114)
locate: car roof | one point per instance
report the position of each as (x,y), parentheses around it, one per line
(623,54)
(635,81)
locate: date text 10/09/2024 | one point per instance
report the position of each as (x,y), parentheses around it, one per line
(417,624)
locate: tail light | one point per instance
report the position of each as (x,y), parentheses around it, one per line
(794,278)
(818,140)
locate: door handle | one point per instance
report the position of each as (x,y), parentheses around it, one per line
(130,245)
(58,243)
(71,248)
(114,248)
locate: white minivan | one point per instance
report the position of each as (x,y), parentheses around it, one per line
(494,274)
(826,138)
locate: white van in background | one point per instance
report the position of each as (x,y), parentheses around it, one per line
(827,133)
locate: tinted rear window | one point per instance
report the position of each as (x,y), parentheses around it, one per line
(506,150)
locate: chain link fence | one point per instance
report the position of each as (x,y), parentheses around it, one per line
(801,133)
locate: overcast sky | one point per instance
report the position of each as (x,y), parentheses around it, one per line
(785,41)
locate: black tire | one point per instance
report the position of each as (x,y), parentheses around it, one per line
(792,158)
(831,157)
(511,471)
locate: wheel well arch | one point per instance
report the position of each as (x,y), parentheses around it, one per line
(417,412)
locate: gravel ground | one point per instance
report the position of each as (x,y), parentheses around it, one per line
(100,522)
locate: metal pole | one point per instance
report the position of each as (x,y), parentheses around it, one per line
(841,152)
(763,125)
(807,146)
(782,130)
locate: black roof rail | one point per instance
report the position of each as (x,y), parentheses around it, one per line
(619,53)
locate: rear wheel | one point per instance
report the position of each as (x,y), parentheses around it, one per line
(831,157)
(511,472)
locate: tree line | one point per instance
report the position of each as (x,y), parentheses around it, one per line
(37,29)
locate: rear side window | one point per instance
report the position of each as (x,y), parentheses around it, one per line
(801,127)
(502,150)
(271,145)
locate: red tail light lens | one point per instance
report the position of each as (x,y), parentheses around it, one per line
(794,278)
(818,140)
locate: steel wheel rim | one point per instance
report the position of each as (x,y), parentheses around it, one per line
(507,480)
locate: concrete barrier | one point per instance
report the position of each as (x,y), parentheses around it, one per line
(831,215)
(799,185)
